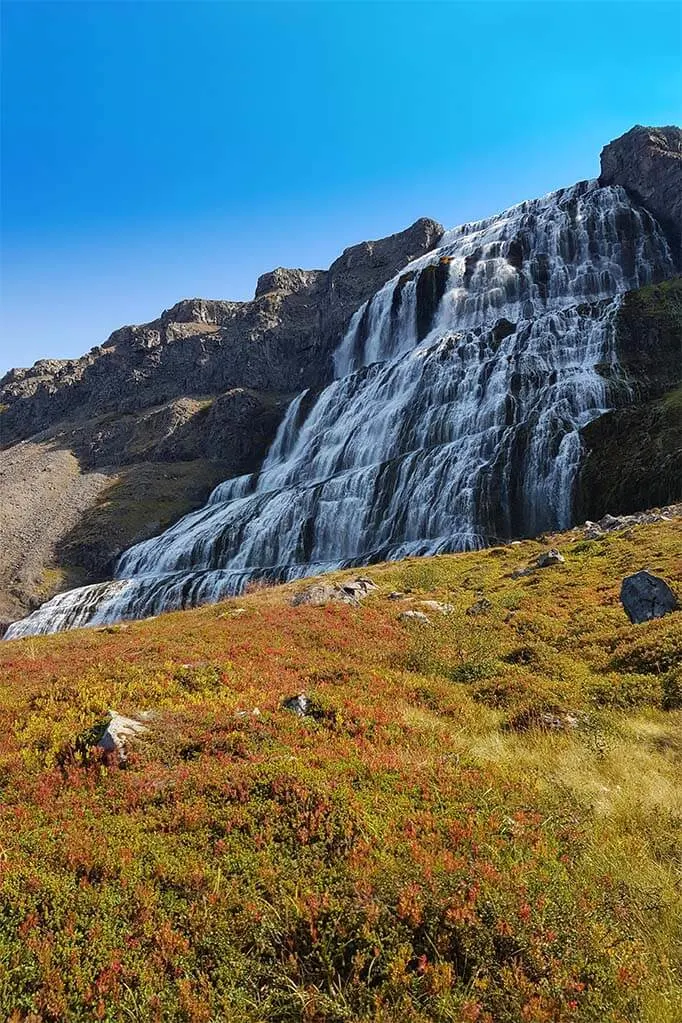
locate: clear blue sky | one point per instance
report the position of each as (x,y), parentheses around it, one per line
(154,151)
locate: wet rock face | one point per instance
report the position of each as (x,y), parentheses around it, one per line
(645,596)
(648,162)
(644,431)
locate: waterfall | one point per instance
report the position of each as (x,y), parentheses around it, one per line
(453,420)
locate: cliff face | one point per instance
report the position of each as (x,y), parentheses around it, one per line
(280,342)
(648,162)
(102,451)
(633,455)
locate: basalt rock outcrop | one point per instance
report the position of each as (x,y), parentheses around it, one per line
(648,163)
(278,343)
(645,596)
(633,453)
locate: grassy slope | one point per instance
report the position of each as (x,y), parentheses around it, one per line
(416,853)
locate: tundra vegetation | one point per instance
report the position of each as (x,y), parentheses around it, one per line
(477,820)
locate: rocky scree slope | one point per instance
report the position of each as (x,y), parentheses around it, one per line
(139,430)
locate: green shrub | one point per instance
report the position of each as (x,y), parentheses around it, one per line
(621,692)
(671,685)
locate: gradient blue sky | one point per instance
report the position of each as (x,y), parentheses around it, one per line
(154,151)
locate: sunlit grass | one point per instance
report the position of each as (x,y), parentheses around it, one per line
(425,849)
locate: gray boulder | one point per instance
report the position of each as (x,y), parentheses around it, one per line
(298,705)
(118,733)
(551,557)
(418,617)
(437,607)
(645,596)
(319,594)
(481,607)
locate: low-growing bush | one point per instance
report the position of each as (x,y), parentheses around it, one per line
(652,648)
(626,691)
(671,686)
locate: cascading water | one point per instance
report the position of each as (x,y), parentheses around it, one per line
(453,419)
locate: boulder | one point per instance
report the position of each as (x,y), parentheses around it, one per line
(319,594)
(481,607)
(414,616)
(549,558)
(298,705)
(546,560)
(437,607)
(645,596)
(518,573)
(611,523)
(118,733)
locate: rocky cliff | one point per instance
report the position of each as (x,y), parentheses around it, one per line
(648,162)
(633,454)
(104,450)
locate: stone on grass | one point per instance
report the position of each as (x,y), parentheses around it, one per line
(558,722)
(549,558)
(414,616)
(480,607)
(437,607)
(645,596)
(319,594)
(118,733)
(298,705)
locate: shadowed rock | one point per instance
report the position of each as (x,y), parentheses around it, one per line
(298,705)
(552,557)
(645,596)
(648,162)
(415,616)
(118,734)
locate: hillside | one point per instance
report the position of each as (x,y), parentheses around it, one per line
(478,819)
